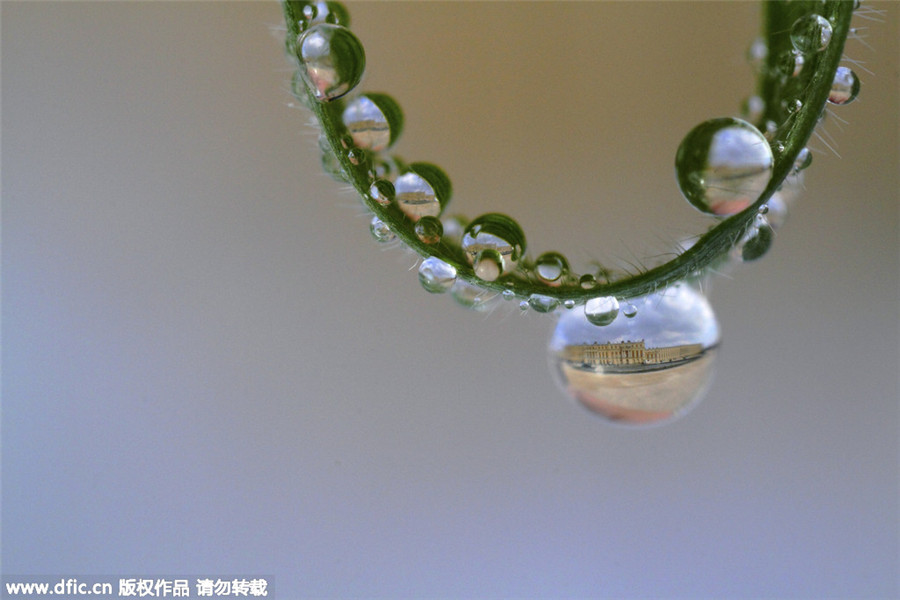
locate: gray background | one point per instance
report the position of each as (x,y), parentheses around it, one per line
(209,367)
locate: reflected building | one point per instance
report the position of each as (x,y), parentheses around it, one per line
(628,355)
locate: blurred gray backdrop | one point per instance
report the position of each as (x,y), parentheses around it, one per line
(209,367)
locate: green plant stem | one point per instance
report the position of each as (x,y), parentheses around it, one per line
(813,85)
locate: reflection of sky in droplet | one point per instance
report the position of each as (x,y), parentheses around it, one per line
(676,316)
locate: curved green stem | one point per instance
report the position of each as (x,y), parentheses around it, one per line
(791,136)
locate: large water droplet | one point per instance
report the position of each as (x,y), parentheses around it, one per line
(332,60)
(422,191)
(374,121)
(648,369)
(496,233)
(436,276)
(845,87)
(601,311)
(723,165)
(811,33)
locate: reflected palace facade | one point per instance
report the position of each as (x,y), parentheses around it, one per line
(625,354)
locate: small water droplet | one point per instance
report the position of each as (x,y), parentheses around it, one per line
(777,147)
(649,369)
(757,242)
(523,305)
(309,12)
(601,311)
(332,59)
(498,233)
(569,303)
(790,63)
(587,281)
(380,230)
(723,165)
(550,267)
(794,105)
(803,160)
(542,304)
(429,230)
(811,33)
(629,310)
(757,54)
(753,109)
(374,121)
(388,167)
(487,265)
(356,156)
(471,296)
(436,276)
(313,13)
(454,227)
(422,191)
(330,163)
(777,214)
(381,192)
(844,88)
(298,88)
(508,295)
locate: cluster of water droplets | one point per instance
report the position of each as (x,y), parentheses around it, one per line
(633,360)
